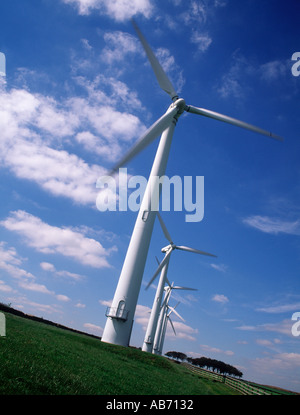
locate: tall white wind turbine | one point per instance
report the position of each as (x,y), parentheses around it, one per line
(163,269)
(120,315)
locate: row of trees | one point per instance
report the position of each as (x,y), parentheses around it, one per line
(205,362)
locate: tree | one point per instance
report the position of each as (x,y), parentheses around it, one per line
(215,365)
(176,355)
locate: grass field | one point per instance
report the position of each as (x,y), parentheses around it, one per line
(39,359)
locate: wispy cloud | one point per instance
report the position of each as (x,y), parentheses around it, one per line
(219,267)
(220,298)
(233,83)
(183,331)
(211,350)
(46,266)
(284,308)
(282,327)
(11,262)
(118,46)
(117,10)
(273,225)
(202,40)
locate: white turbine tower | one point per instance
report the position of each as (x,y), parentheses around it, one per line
(120,315)
(163,269)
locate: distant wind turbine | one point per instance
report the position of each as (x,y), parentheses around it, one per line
(120,315)
(163,269)
(164,318)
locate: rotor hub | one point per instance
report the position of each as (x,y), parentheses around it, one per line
(180,104)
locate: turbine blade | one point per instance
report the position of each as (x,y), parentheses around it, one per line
(177,314)
(176,305)
(230,120)
(184,288)
(172,326)
(168,282)
(196,251)
(162,78)
(164,228)
(159,268)
(156,129)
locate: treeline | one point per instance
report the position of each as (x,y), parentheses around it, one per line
(207,363)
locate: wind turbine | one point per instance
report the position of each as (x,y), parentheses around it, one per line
(164,318)
(120,315)
(163,269)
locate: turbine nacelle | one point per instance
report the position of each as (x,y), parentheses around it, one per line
(180,105)
(167,248)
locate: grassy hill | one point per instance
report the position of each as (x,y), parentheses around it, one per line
(37,358)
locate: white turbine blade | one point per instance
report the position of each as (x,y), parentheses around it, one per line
(168,282)
(184,288)
(175,312)
(172,326)
(164,228)
(159,268)
(163,80)
(155,130)
(196,251)
(230,120)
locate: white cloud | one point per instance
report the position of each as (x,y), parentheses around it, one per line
(10,262)
(61,297)
(264,342)
(221,267)
(220,298)
(273,225)
(142,314)
(4,287)
(202,40)
(118,10)
(23,302)
(284,308)
(106,303)
(210,349)
(33,128)
(118,46)
(80,305)
(70,275)
(195,14)
(183,331)
(33,286)
(93,328)
(245,327)
(54,240)
(46,266)
(282,327)
(274,70)
(281,366)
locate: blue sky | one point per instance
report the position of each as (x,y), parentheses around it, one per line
(77,94)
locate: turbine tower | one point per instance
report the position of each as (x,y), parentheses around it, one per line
(163,269)
(120,315)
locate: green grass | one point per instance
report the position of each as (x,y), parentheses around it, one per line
(36,358)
